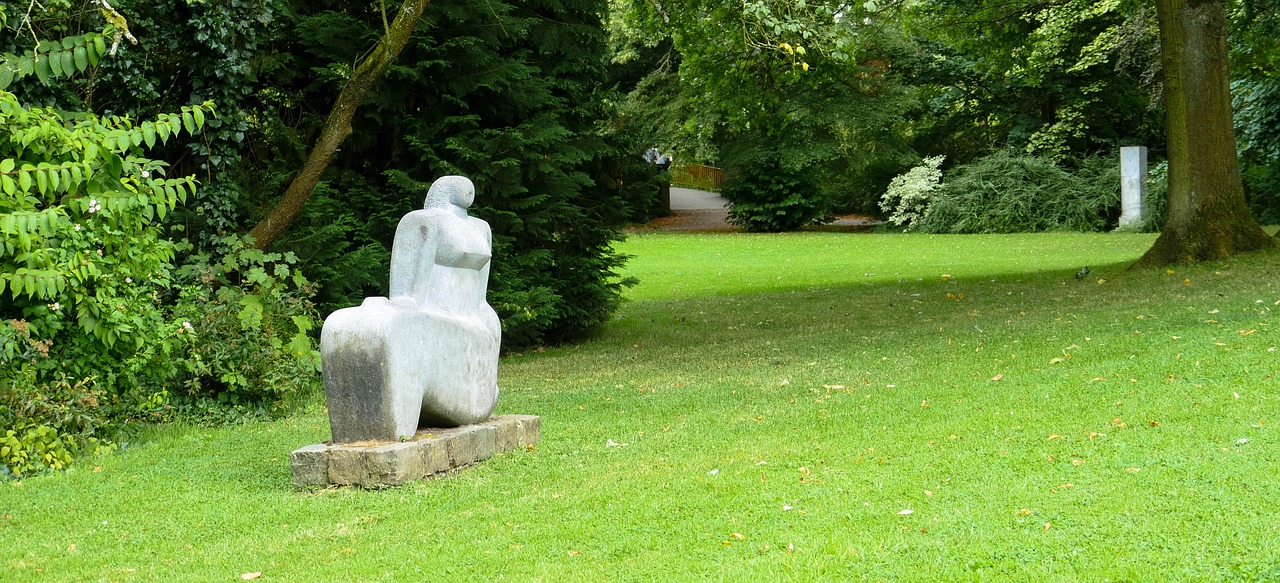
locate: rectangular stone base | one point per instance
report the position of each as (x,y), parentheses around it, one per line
(431,451)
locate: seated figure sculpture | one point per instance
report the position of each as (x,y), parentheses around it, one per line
(428,355)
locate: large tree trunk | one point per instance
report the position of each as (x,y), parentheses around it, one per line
(1206,217)
(338,125)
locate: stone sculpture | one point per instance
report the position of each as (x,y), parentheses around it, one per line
(428,355)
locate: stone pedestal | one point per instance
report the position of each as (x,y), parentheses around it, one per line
(379,464)
(1133,185)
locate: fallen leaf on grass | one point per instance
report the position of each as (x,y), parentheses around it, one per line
(906,512)
(997,377)
(738,535)
(1024,512)
(1055,360)
(1133,470)
(250,576)
(1077,462)
(1055,436)
(928,492)
(1047,526)
(573,553)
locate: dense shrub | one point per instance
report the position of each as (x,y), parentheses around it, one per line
(1012,193)
(909,195)
(246,320)
(1257,106)
(765,197)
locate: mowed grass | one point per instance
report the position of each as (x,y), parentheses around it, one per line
(811,406)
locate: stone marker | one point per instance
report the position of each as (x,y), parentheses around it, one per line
(1133,185)
(425,357)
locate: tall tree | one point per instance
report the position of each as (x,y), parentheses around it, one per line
(1206,217)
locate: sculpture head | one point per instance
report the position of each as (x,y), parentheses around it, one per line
(450,191)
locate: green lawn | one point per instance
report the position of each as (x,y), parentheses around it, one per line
(812,406)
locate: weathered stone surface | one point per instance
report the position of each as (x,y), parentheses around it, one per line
(428,355)
(530,429)
(514,431)
(506,432)
(393,464)
(310,465)
(346,467)
(431,451)
(435,455)
(471,443)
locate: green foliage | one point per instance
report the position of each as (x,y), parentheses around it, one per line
(1012,193)
(1060,80)
(48,426)
(769,198)
(1256,102)
(510,95)
(54,60)
(909,195)
(79,212)
(246,326)
(785,85)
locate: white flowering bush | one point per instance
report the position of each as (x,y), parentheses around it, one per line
(908,197)
(85,266)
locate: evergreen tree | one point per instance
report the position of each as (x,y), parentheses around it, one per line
(508,94)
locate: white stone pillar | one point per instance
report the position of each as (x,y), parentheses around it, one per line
(1133,185)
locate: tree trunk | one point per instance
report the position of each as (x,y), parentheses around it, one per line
(338,125)
(1206,217)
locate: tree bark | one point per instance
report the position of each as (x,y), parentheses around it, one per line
(1206,217)
(337,125)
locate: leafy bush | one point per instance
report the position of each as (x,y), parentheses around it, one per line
(1154,202)
(1257,107)
(1013,193)
(50,425)
(909,194)
(764,197)
(246,321)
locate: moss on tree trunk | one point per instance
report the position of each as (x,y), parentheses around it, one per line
(1206,217)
